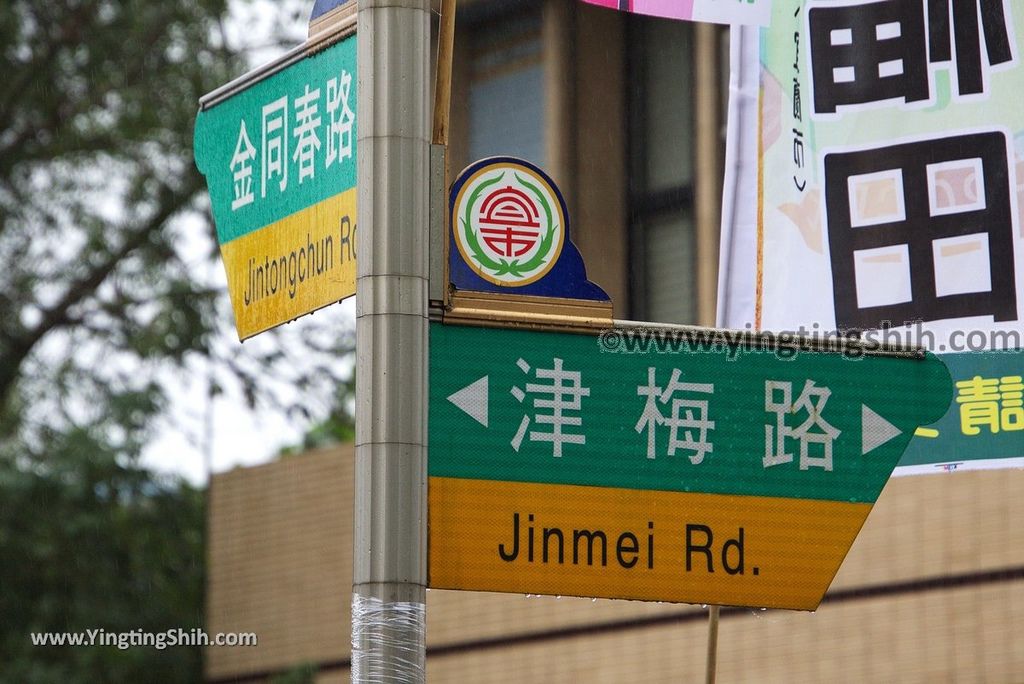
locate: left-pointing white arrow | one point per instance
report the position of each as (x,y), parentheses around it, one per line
(473,400)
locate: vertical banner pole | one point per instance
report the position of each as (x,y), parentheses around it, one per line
(707,184)
(713,612)
(390,547)
(708,197)
(443,77)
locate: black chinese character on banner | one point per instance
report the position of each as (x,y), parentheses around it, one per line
(921,231)
(868,53)
(967,38)
(879,51)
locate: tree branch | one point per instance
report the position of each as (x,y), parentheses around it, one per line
(62,38)
(19,346)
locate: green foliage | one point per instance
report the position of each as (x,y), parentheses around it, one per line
(338,427)
(106,251)
(89,544)
(301,674)
(96,112)
(97,102)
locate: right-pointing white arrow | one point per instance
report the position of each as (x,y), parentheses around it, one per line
(473,400)
(875,430)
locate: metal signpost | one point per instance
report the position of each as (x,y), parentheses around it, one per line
(390,554)
(571,455)
(278,149)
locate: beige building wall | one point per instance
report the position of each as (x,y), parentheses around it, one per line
(279,562)
(932,591)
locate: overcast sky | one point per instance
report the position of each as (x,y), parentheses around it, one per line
(222,432)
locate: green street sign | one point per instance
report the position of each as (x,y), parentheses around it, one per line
(984,423)
(692,470)
(279,158)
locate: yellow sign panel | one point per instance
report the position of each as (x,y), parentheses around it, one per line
(637,544)
(293,266)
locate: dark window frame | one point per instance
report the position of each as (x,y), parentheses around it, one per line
(646,206)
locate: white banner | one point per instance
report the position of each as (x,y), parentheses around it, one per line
(875,187)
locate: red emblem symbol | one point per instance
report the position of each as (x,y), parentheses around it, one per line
(509,222)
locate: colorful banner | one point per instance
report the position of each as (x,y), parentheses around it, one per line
(882,196)
(755,12)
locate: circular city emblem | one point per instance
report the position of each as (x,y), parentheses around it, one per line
(508,222)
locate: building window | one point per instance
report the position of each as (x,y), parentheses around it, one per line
(506,87)
(662,241)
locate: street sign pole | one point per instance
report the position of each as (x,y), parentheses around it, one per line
(390,568)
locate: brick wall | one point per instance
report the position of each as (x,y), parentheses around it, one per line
(931,591)
(280,562)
